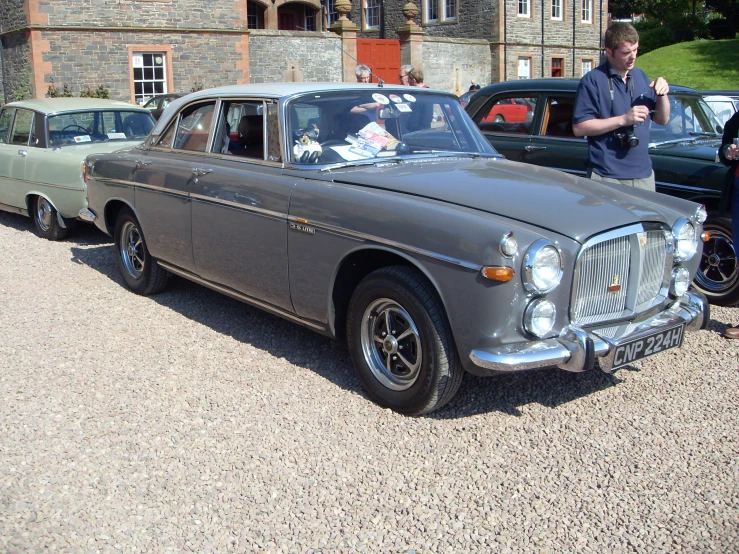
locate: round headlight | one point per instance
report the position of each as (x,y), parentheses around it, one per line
(542,267)
(687,241)
(701,214)
(680,281)
(538,319)
(509,245)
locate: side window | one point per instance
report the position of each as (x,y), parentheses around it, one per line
(558,117)
(21,127)
(512,115)
(194,128)
(6,117)
(245,121)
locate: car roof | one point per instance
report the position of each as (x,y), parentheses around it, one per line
(61,105)
(553,84)
(732,93)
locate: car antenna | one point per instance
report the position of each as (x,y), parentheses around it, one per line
(380,80)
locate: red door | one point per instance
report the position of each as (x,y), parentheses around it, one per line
(382,56)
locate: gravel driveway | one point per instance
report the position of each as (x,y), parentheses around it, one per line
(191,422)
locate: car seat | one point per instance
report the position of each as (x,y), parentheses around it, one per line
(560,120)
(250,136)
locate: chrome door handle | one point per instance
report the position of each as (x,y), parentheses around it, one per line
(199,171)
(532,148)
(23,152)
(141,163)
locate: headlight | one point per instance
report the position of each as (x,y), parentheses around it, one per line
(701,214)
(680,281)
(542,267)
(539,317)
(686,240)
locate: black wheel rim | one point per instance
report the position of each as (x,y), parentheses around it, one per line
(718,273)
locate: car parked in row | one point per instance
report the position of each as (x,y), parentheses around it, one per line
(158,102)
(43,144)
(724,103)
(381,216)
(683,154)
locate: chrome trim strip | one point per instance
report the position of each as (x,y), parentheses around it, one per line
(245,207)
(39,184)
(239,296)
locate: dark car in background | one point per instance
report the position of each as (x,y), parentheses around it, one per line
(683,154)
(156,104)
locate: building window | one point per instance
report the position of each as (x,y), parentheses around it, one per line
(450,10)
(524,68)
(371,14)
(310,19)
(254,15)
(586,11)
(149,75)
(448,13)
(558,67)
(331,13)
(523,8)
(586,66)
(557,10)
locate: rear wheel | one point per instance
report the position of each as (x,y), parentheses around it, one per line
(718,274)
(499,119)
(401,343)
(46,219)
(140,271)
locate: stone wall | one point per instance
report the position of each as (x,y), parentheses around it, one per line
(451,64)
(12,15)
(82,59)
(17,73)
(316,56)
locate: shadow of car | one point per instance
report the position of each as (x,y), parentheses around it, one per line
(683,154)
(156,104)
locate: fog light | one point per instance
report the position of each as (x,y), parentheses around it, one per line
(538,319)
(680,281)
(701,214)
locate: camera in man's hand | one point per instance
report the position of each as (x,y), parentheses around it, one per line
(626,138)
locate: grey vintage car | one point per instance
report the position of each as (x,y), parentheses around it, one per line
(381,216)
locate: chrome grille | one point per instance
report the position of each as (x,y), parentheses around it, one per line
(620,272)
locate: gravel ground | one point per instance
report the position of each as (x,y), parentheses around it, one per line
(191,422)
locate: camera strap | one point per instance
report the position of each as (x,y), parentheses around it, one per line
(610,88)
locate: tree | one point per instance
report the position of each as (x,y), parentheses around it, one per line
(728,9)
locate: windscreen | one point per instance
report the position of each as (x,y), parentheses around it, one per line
(98,126)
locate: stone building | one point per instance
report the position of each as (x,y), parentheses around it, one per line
(136,48)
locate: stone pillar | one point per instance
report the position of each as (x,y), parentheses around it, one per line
(411,38)
(271,20)
(348,33)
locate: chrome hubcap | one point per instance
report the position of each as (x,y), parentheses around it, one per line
(391,344)
(44,214)
(132,250)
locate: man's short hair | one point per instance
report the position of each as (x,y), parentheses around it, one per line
(619,32)
(406,68)
(361,68)
(417,74)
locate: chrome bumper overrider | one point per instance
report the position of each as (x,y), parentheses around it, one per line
(87,215)
(577,349)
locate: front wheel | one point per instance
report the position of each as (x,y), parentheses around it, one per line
(718,274)
(46,219)
(400,342)
(141,273)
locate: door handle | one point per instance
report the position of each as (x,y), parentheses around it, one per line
(199,171)
(141,163)
(532,148)
(23,153)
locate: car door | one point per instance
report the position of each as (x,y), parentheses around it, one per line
(554,144)
(8,152)
(239,208)
(507,120)
(15,158)
(164,178)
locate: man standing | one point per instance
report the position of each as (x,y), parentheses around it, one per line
(613,109)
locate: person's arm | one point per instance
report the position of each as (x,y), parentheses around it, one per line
(662,107)
(729,152)
(595,127)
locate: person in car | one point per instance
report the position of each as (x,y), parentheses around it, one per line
(729,156)
(613,108)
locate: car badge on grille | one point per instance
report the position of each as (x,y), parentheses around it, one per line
(615,285)
(642,240)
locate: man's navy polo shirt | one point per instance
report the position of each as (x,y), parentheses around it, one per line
(593,101)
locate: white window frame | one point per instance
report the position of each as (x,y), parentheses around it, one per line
(582,66)
(371,10)
(138,61)
(586,11)
(556,8)
(524,8)
(440,11)
(518,67)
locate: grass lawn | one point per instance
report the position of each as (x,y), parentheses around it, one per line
(701,64)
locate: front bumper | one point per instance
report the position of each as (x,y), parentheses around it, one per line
(577,349)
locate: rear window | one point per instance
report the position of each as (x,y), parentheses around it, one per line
(99,126)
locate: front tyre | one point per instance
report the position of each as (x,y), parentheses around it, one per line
(718,274)
(141,273)
(400,342)
(46,219)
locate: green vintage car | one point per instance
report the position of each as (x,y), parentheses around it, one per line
(43,144)
(683,154)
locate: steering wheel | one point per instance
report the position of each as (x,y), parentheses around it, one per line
(75,126)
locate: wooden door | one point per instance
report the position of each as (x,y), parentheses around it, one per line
(382,56)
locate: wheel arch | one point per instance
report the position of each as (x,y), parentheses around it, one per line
(110,213)
(355,266)
(30,195)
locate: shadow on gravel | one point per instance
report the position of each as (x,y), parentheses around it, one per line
(81,234)
(17,222)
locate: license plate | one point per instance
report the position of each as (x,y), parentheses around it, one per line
(640,348)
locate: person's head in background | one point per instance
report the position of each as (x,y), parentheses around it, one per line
(404,74)
(416,77)
(363,73)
